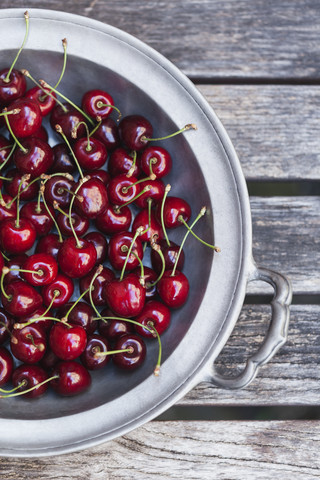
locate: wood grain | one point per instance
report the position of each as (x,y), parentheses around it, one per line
(214,39)
(188,450)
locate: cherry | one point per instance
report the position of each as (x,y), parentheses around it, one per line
(20,299)
(42,134)
(4,149)
(101,245)
(94,198)
(49,360)
(97,103)
(125,297)
(121,161)
(12,89)
(150,229)
(45,269)
(28,344)
(30,377)
(77,257)
(102,175)
(67,342)
(135,352)
(49,244)
(46,102)
(68,118)
(62,159)
(173,208)
(122,189)
(118,248)
(113,221)
(35,158)
(112,329)
(7,208)
(73,378)
(155,193)
(28,119)
(105,276)
(14,265)
(17,237)
(38,215)
(154,314)
(91,153)
(80,314)
(170,253)
(149,278)
(6,324)
(107,133)
(58,188)
(133,129)
(90,358)
(29,189)
(80,224)
(156,160)
(58,292)
(6,366)
(173,290)
(44,323)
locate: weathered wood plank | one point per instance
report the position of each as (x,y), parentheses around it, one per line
(214,39)
(275,129)
(292,377)
(189,450)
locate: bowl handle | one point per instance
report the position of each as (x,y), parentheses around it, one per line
(275,337)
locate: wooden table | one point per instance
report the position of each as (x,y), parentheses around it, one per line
(258,64)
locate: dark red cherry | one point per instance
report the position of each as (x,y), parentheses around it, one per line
(60,291)
(154,315)
(132,359)
(45,266)
(7,211)
(28,121)
(108,133)
(42,134)
(6,366)
(6,324)
(62,159)
(58,189)
(121,161)
(28,344)
(29,376)
(17,239)
(149,229)
(118,250)
(68,118)
(22,299)
(149,278)
(77,258)
(37,159)
(101,245)
(81,314)
(67,342)
(97,103)
(28,190)
(105,276)
(133,130)
(90,155)
(173,290)
(38,215)
(14,88)
(173,208)
(80,224)
(5,148)
(49,244)
(102,175)
(90,358)
(49,360)
(46,102)
(156,160)
(14,265)
(94,198)
(44,324)
(113,221)
(125,297)
(170,253)
(122,189)
(73,379)
(112,329)
(155,193)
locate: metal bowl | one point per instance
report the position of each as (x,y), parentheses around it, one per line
(206,172)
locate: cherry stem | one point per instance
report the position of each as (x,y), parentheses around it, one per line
(59,130)
(22,384)
(27,74)
(23,179)
(202,212)
(157,248)
(189,126)
(75,303)
(81,182)
(133,155)
(64,44)
(4,272)
(12,134)
(55,295)
(97,273)
(46,85)
(15,111)
(136,235)
(93,131)
(102,105)
(166,191)
(42,188)
(7,329)
(24,188)
(152,330)
(74,134)
(216,249)
(36,272)
(113,352)
(30,337)
(5,257)
(125,189)
(26,17)
(9,156)
(118,207)
(31,388)
(18,326)
(142,281)
(153,161)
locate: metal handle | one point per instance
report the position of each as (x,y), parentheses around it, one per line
(275,337)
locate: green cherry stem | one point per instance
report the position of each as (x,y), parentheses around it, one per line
(12,134)
(16,394)
(136,235)
(42,188)
(18,326)
(216,249)
(64,45)
(22,384)
(59,130)
(74,134)
(166,191)
(46,93)
(4,272)
(26,17)
(118,207)
(102,105)
(24,178)
(9,156)
(189,126)
(125,189)
(81,182)
(5,256)
(133,155)
(65,318)
(157,248)
(91,287)
(99,121)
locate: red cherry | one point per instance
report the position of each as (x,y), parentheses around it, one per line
(4,149)
(58,189)
(113,221)
(112,329)
(155,193)
(28,121)
(108,133)
(42,134)
(122,189)
(6,324)
(96,344)
(68,118)
(154,315)
(173,208)
(131,359)
(90,155)
(81,314)
(170,253)
(5,211)
(49,244)
(62,159)
(45,266)
(46,102)
(14,265)
(125,297)
(94,198)
(149,278)
(29,376)
(118,251)
(121,161)
(77,258)
(17,239)
(100,243)
(80,224)
(13,89)
(28,192)
(73,379)
(37,159)
(28,344)
(173,290)
(38,215)
(21,299)
(105,276)
(62,286)
(158,158)
(6,366)
(133,130)
(97,103)
(102,175)
(67,342)
(150,229)
(44,324)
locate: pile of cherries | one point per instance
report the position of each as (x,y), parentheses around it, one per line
(84,215)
